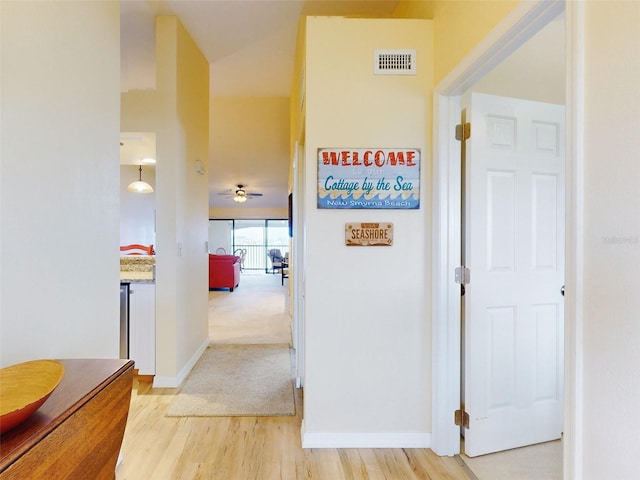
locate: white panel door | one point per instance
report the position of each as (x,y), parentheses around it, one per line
(514,247)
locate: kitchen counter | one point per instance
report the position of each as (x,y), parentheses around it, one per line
(137,269)
(137,277)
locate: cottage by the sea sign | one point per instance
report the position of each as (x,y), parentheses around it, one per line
(382,178)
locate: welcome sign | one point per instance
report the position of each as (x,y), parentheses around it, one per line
(377,178)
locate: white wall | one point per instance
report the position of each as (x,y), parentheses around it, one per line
(248,213)
(137,210)
(178,113)
(59,177)
(368,329)
(220,236)
(535,71)
(611,386)
(182,136)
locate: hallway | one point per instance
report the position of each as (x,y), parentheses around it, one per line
(254,313)
(257,313)
(252,448)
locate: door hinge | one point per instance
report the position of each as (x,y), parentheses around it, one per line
(461,418)
(463,131)
(463,275)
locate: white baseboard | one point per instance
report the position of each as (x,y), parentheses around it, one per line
(175,382)
(365,440)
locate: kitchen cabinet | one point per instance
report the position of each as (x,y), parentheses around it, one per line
(142,327)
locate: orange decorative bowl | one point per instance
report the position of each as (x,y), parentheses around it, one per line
(24,388)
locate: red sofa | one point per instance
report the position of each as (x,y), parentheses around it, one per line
(224,271)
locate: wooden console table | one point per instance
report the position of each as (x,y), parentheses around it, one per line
(77,433)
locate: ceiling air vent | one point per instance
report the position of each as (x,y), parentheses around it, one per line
(394,62)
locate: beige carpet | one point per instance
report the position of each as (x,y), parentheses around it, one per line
(238,380)
(255,312)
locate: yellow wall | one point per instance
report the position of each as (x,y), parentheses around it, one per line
(297,105)
(414,9)
(249,139)
(459,25)
(366,309)
(332,95)
(192,94)
(178,111)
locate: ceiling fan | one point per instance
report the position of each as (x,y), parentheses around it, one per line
(240,195)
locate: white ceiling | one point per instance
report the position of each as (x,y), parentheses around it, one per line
(135,146)
(250,46)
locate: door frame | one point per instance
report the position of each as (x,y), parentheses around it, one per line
(526,19)
(297,275)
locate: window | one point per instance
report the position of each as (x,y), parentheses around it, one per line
(256,236)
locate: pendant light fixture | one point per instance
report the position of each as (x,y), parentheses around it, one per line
(139,186)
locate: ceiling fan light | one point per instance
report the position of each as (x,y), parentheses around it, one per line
(240,195)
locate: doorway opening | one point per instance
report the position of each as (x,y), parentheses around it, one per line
(523,24)
(250,326)
(255,237)
(513,247)
(256,317)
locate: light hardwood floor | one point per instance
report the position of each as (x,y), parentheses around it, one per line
(157,447)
